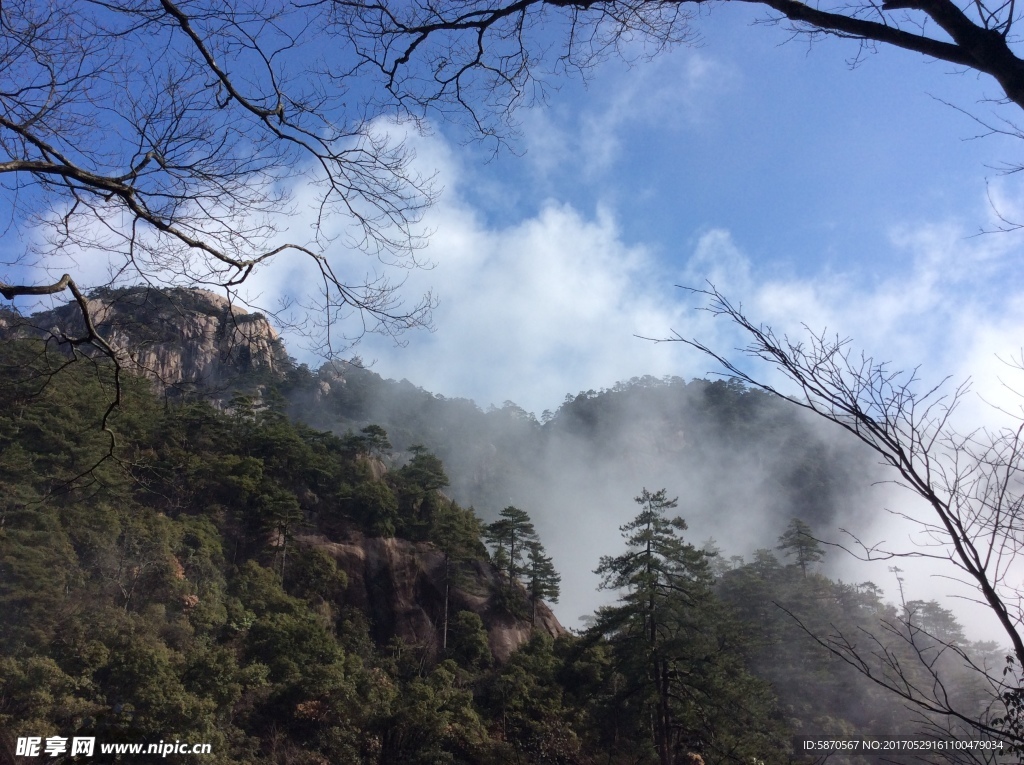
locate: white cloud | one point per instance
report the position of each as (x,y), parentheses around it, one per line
(528,311)
(552,303)
(950,302)
(535,310)
(675,91)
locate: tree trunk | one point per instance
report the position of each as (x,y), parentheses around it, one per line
(664,717)
(447,587)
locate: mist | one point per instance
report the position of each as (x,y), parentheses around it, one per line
(742,464)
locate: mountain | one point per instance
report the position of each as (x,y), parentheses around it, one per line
(742,462)
(642,430)
(180,339)
(734,445)
(285,564)
(193,344)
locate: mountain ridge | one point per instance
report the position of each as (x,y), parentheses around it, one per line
(743,462)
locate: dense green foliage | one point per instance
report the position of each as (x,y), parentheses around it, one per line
(180,584)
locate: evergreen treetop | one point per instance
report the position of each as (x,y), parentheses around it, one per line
(799,542)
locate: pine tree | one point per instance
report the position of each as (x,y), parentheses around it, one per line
(510,535)
(542,579)
(376,440)
(371,441)
(799,541)
(417,484)
(425,471)
(677,649)
(456,532)
(658,572)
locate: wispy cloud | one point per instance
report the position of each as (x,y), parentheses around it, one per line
(675,92)
(552,302)
(537,309)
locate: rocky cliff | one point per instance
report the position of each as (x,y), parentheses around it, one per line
(400,585)
(178,338)
(194,339)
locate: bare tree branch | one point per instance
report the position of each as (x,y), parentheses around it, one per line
(482,58)
(161,138)
(973,485)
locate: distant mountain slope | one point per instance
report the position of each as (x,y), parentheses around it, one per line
(742,462)
(718,436)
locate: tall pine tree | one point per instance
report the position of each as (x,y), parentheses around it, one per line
(510,536)
(799,542)
(456,532)
(657,570)
(674,645)
(543,582)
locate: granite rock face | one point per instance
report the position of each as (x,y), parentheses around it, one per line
(177,338)
(400,585)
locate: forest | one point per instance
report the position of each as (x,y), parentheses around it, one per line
(176,577)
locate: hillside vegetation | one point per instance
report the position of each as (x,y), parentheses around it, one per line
(193,580)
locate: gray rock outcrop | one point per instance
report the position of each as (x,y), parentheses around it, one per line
(399,584)
(177,338)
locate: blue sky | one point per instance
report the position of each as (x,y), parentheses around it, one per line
(848,198)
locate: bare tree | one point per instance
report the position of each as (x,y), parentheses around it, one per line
(973,489)
(482,58)
(163,138)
